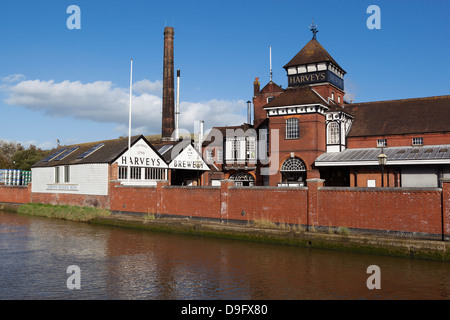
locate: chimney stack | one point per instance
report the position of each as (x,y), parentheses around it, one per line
(256,87)
(168,108)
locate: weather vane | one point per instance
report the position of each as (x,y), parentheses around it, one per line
(313,29)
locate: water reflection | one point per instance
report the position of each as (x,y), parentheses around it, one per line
(121,263)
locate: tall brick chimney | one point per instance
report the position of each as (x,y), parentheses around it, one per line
(168,108)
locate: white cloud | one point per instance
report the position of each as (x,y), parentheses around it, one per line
(13,78)
(101,101)
(147,86)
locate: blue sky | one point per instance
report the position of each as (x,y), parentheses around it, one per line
(73,85)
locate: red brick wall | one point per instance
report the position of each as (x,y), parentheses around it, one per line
(133,199)
(191,201)
(15,194)
(412,210)
(71,199)
(282,205)
(403,209)
(446,206)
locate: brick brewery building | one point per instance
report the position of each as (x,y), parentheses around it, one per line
(303,140)
(322,136)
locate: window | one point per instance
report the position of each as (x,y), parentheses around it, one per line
(66,174)
(333,133)
(123,173)
(242,179)
(251,148)
(219,155)
(209,156)
(135,173)
(292,128)
(56,174)
(381,143)
(293,171)
(417,141)
(238,149)
(154,174)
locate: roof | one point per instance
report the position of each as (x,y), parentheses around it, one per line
(107,151)
(417,115)
(210,140)
(296,96)
(166,149)
(271,87)
(436,154)
(312,52)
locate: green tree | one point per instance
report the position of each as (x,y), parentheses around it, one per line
(24,159)
(7,151)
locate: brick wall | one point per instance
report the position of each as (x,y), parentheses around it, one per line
(190,201)
(420,211)
(15,194)
(70,199)
(283,205)
(133,199)
(389,209)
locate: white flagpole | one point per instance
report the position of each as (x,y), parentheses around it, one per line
(129,118)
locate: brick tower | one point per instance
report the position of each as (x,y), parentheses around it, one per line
(168,108)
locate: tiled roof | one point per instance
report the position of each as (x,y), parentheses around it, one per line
(296,96)
(107,153)
(417,115)
(312,52)
(271,87)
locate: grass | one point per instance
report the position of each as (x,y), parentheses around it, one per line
(72,213)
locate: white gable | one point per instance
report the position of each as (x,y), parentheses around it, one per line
(141,154)
(188,159)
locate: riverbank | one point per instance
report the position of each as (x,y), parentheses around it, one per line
(260,232)
(407,248)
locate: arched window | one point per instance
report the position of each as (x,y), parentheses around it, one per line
(242,179)
(293,172)
(293,164)
(333,133)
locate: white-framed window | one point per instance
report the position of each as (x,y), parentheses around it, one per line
(238,149)
(251,148)
(381,143)
(333,133)
(66,174)
(417,141)
(292,128)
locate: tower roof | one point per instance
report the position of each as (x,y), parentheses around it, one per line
(312,52)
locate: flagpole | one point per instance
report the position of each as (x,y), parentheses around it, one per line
(129,117)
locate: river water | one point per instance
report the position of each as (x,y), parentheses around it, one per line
(119,263)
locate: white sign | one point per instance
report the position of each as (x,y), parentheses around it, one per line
(141,155)
(189,159)
(72,187)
